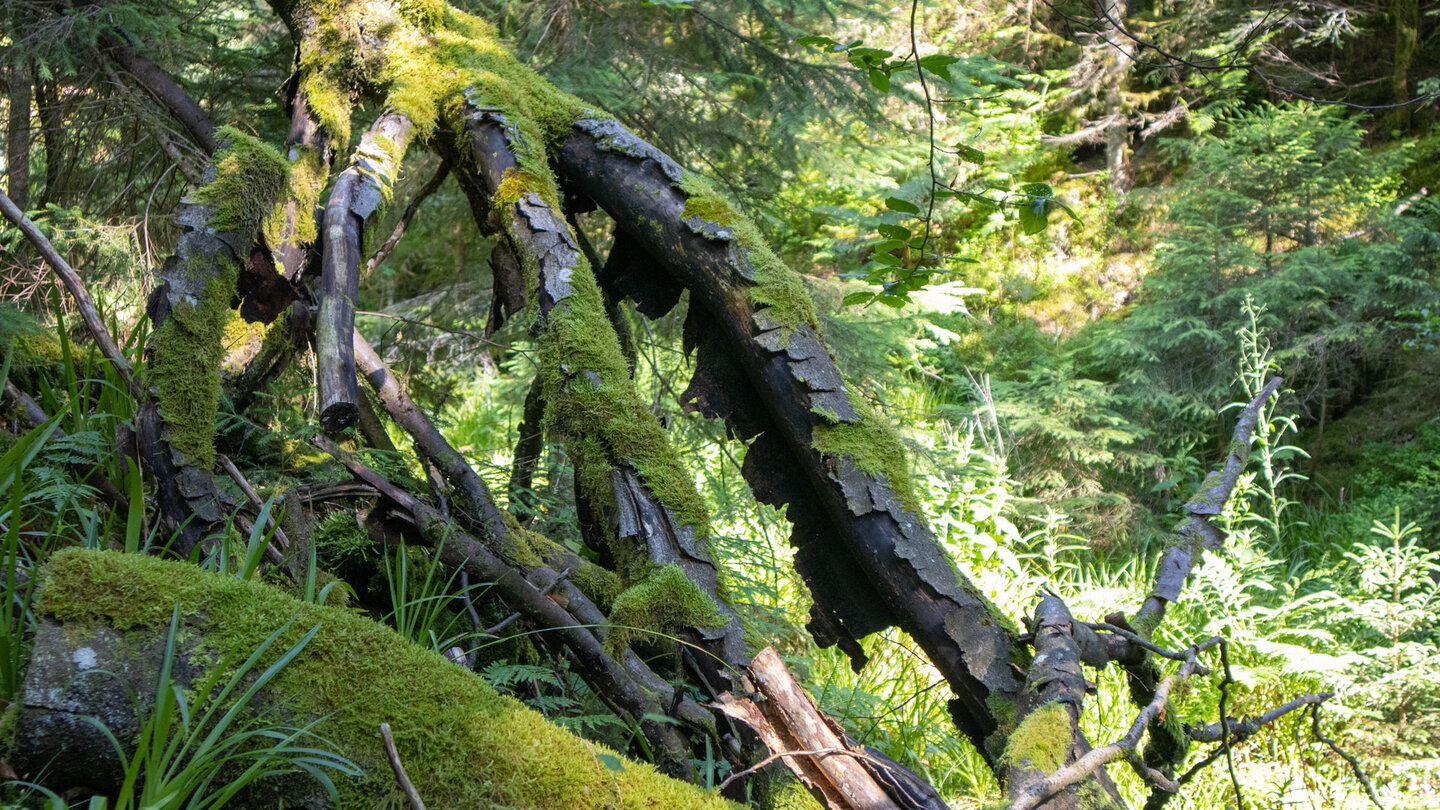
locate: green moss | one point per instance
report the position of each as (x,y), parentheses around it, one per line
(307,178)
(513,184)
(791,795)
(185,357)
(874,446)
(528,548)
(463,745)
(665,602)
(250,176)
(1042,739)
(607,423)
(339,540)
(776,287)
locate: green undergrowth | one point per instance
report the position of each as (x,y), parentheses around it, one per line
(777,288)
(875,447)
(665,602)
(607,423)
(1042,739)
(186,354)
(463,744)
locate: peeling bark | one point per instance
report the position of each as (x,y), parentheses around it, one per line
(542,237)
(869,561)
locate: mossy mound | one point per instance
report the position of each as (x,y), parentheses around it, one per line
(665,602)
(463,744)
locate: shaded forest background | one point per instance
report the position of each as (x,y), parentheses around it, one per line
(1132,217)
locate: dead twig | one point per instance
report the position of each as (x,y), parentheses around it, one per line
(1354,763)
(76,288)
(400,776)
(1126,747)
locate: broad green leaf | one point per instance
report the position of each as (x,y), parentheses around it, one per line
(903,206)
(880,79)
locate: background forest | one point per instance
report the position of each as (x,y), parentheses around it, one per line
(1060,265)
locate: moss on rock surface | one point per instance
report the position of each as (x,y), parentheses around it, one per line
(463,744)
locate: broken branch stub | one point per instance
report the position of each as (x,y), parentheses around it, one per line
(360,191)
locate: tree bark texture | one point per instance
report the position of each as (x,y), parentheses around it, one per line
(17,135)
(869,561)
(361,190)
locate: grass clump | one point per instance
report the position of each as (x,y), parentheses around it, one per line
(463,744)
(1042,739)
(665,602)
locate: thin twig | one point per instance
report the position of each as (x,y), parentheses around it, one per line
(383,252)
(1225,724)
(254,498)
(1125,747)
(1354,763)
(399,768)
(783,754)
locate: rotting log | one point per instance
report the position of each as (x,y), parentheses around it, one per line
(99,653)
(607,677)
(220,224)
(624,462)
(869,558)
(360,191)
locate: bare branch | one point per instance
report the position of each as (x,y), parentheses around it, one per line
(395,764)
(76,288)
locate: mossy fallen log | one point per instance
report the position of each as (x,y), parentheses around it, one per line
(463,744)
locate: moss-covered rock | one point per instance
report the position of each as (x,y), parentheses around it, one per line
(463,744)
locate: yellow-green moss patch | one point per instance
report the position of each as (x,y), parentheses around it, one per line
(591,399)
(777,287)
(250,176)
(874,446)
(663,603)
(1042,739)
(464,745)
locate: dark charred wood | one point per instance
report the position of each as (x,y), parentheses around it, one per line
(261,291)
(527,453)
(865,530)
